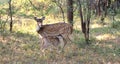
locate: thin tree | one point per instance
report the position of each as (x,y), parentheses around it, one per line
(10,14)
(85,22)
(70,11)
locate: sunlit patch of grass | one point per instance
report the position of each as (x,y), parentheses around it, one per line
(25,26)
(96,25)
(118,33)
(105,37)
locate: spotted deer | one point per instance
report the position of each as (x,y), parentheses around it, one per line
(57,33)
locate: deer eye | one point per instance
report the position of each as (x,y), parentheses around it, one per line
(39,20)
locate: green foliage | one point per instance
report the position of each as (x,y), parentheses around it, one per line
(36,8)
(115,24)
(2,11)
(3,1)
(2,26)
(117,51)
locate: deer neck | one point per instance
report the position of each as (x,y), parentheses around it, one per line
(39,29)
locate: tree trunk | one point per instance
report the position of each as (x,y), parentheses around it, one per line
(99,8)
(70,11)
(85,22)
(81,16)
(88,22)
(10,13)
(118,3)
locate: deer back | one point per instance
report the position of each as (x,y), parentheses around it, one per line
(56,29)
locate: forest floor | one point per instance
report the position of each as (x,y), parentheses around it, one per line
(22,46)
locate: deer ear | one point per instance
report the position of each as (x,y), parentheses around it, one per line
(43,18)
(35,18)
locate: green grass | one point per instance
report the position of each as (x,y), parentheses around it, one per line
(22,46)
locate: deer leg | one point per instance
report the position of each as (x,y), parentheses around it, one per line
(69,39)
(45,44)
(62,43)
(66,38)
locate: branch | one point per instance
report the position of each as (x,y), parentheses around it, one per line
(59,5)
(33,5)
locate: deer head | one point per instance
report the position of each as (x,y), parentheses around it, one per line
(39,22)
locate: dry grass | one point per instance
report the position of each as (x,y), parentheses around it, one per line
(22,46)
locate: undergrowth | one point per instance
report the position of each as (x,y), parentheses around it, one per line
(22,46)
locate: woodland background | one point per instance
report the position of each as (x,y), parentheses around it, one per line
(95,39)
